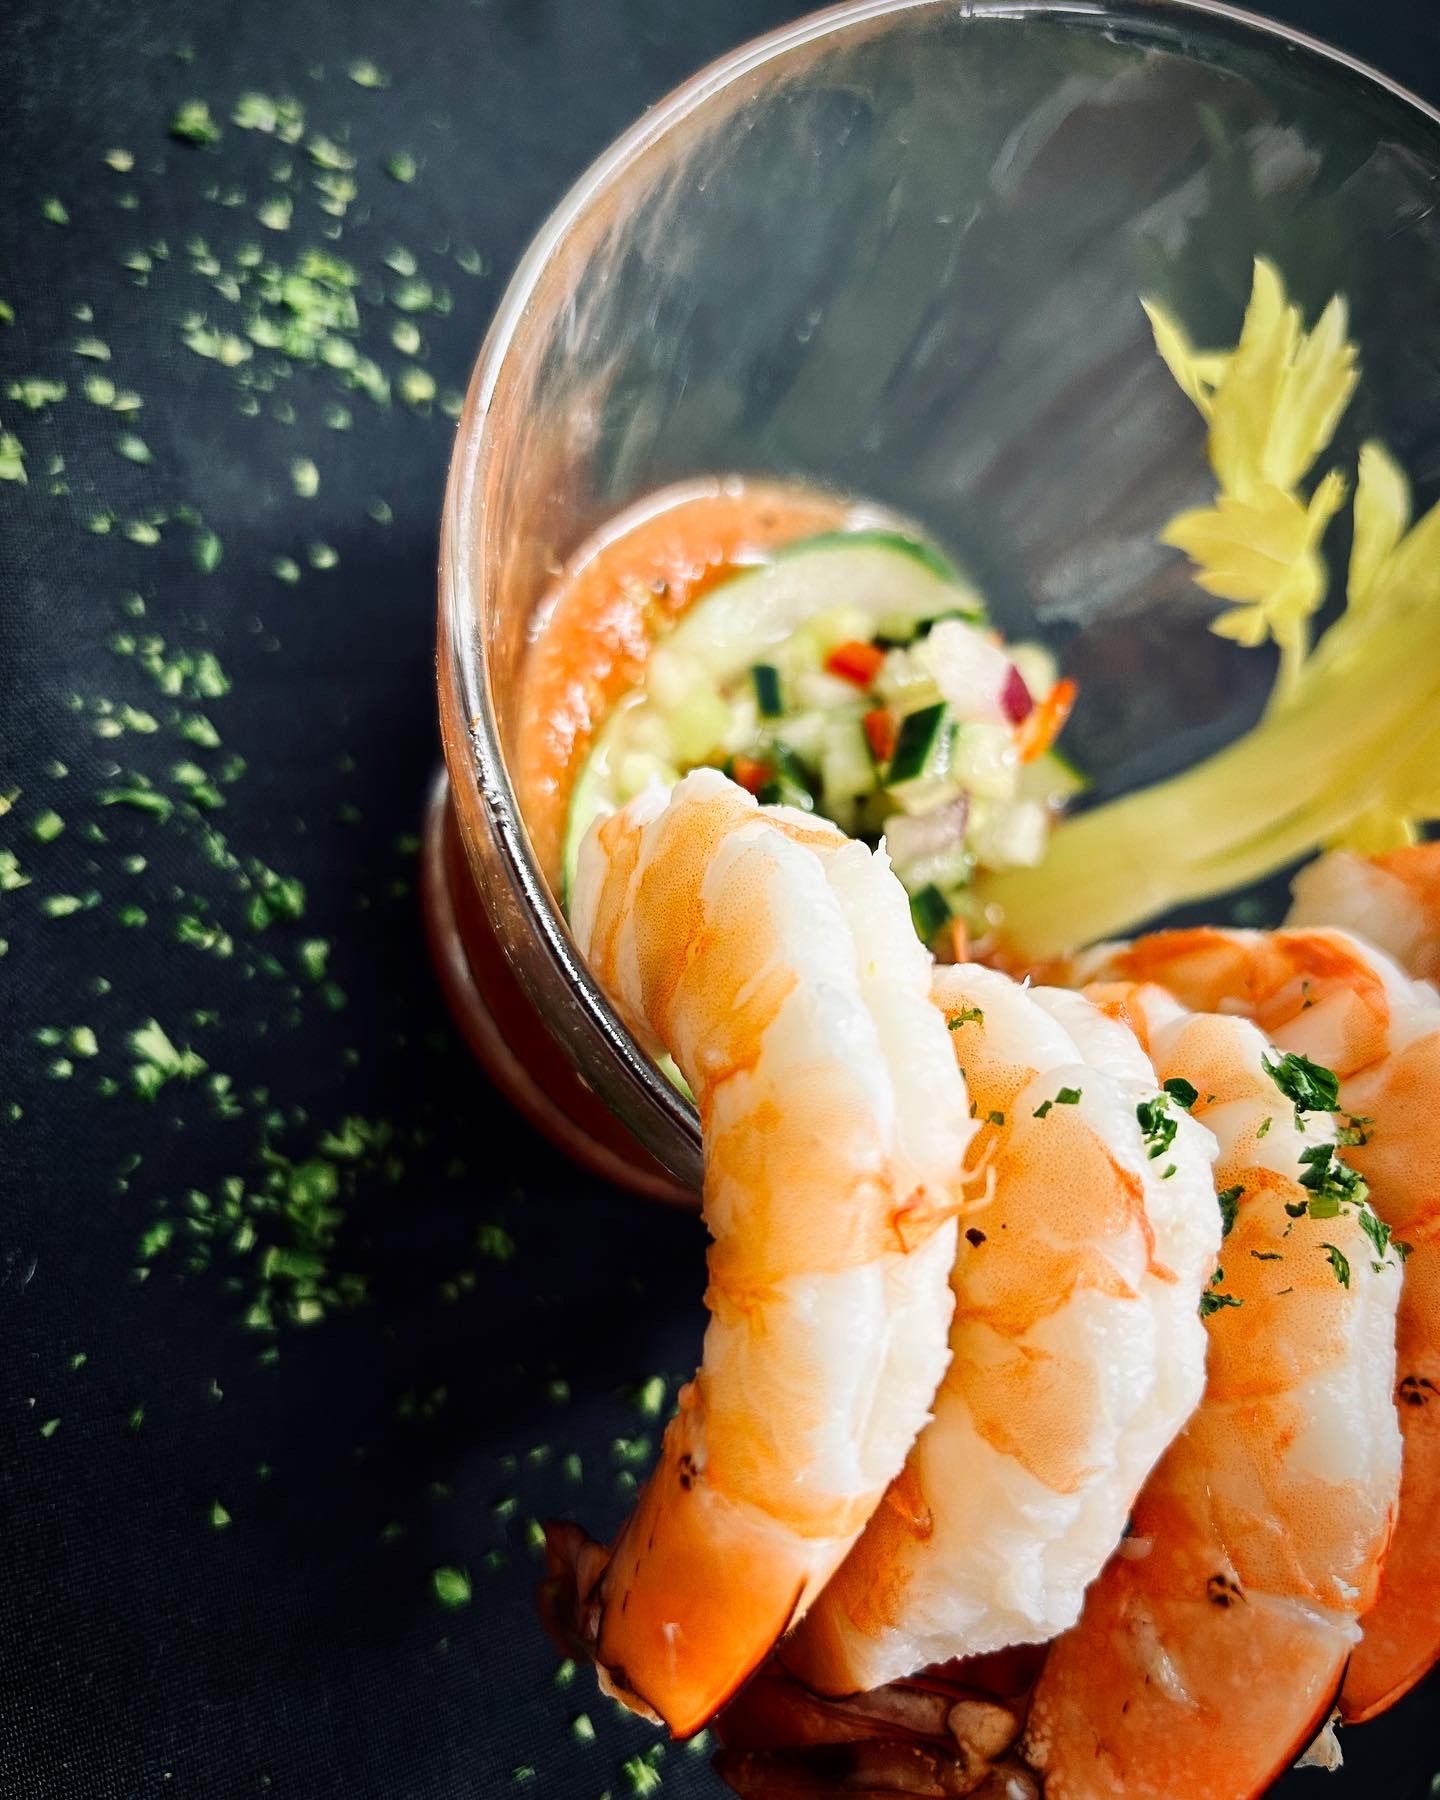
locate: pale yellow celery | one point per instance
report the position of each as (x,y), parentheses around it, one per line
(1358,740)
(1348,753)
(1272,405)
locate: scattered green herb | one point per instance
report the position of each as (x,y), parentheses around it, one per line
(1308,1086)
(452,1587)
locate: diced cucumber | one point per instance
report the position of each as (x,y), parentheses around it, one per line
(636,770)
(922,746)
(985,761)
(930,910)
(874,573)
(903,684)
(698,715)
(766,678)
(790,767)
(698,729)
(920,776)
(783,791)
(1052,779)
(947,870)
(818,691)
(815,639)
(803,734)
(1011,835)
(847,769)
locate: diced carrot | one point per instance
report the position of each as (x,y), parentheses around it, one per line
(1038,730)
(881,731)
(856,661)
(751,775)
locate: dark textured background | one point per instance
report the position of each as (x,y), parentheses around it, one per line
(512,1312)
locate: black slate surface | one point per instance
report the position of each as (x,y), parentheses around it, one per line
(220,1522)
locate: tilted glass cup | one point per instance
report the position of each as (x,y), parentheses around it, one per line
(895,250)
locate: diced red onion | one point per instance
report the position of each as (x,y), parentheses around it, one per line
(1015,697)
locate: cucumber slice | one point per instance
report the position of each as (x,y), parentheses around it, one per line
(880,573)
(606,781)
(935,561)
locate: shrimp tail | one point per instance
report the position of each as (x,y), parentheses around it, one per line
(668,1595)
(597,1609)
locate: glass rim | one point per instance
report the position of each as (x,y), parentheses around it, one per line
(459,576)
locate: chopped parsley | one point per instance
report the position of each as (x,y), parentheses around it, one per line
(206,550)
(1378,1233)
(1339,1262)
(1307,1085)
(1331,1184)
(1157,1127)
(1229,1200)
(650,1397)
(192,124)
(1181,1092)
(1067,1096)
(967,1015)
(1211,1303)
(452,1587)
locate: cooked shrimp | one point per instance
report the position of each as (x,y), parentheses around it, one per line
(775,961)
(1210,1650)
(1391,901)
(1077,1351)
(1327,996)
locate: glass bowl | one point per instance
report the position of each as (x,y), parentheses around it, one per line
(895,250)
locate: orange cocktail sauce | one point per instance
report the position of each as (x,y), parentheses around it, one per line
(594,631)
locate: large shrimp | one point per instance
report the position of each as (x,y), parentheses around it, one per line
(1325,995)
(1210,1651)
(775,961)
(1391,901)
(1077,1351)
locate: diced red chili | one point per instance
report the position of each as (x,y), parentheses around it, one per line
(856,661)
(1040,728)
(881,731)
(751,775)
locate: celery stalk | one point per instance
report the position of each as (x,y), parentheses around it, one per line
(1360,731)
